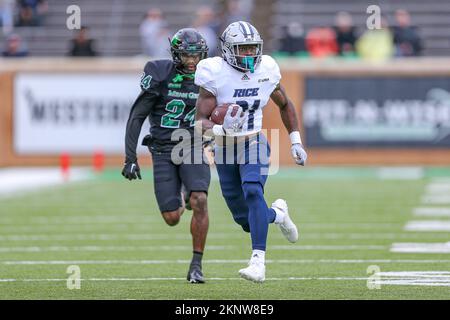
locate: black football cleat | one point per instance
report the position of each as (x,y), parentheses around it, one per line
(195,275)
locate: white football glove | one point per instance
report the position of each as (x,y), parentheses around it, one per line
(234,123)
(299,154)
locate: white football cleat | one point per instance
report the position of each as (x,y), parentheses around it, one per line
(256,271)
(287,227)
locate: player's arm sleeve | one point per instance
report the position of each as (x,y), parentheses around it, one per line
(204,77)
(139,112)
(141,109)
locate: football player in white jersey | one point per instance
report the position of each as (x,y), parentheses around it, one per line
(245,77)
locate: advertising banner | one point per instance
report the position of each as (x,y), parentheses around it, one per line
(78,113)
(377,112)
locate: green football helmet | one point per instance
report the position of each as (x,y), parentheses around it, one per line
(185,42)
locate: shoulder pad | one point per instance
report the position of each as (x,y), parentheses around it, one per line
(207,70)
(271,66)
(154,73)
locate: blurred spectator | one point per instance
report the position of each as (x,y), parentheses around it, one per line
(237,10)
(293,40)
(14,47)
(31,12)
(203,23)
(155,35)
(407,41)
(6,15)
(321,42)
(345,33)
(376,44)
(82,45)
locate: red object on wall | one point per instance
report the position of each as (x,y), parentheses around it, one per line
(65,165)
(99,161)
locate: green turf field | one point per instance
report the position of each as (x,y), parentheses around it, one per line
(111,229)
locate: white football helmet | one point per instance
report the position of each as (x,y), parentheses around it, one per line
(237,34)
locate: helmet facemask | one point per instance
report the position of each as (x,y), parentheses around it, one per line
(247,62)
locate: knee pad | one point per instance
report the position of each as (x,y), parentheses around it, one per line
(252,189)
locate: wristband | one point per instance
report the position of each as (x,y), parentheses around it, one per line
(295,137)
(218,130)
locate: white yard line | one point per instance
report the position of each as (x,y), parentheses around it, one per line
(220,261)
(432,211)
(436,199)
(164,236)
(144,226)
(391,278)
(181,279)
(421,247)
(435,188)
(126,218)
(327,247)
(414,278)
(427,225)
(32,249)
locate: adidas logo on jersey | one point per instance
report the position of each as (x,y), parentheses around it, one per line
(245,77)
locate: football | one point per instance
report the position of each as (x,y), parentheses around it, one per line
(220,111)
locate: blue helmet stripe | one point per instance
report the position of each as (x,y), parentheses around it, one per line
(250,28)
(243,29)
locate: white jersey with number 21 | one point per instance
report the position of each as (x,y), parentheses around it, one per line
(249,90)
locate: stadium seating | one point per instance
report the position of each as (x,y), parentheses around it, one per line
(431,17)
(114,24)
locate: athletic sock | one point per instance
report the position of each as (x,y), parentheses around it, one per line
(279,216)
(197,258)
(273,216)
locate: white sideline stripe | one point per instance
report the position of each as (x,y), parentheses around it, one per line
(178,248)
(165,236)
(139,225)
(78,220)
(428,225)
(421,247)
(328,247)
(215,261)
(18,180)
(107,248)
(420,274)
(431,280)
(416,278)
(181,279)
(432,212)
(436,199)
(438,187)
(414,282)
